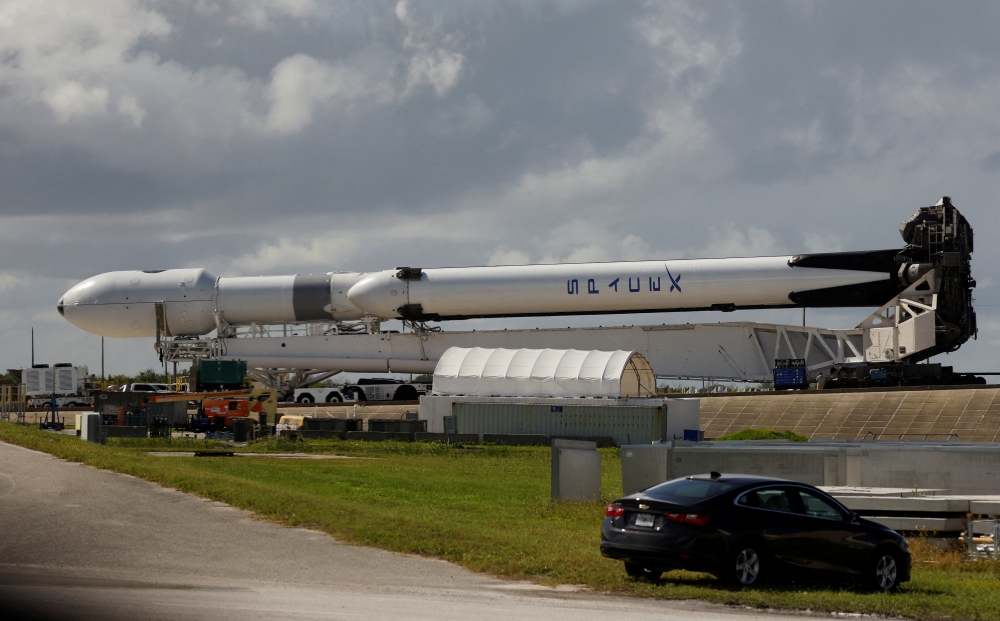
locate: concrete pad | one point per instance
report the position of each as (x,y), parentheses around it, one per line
(940,525)
(915,504)
(985,507)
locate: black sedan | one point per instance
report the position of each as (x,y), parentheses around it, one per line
(744,529)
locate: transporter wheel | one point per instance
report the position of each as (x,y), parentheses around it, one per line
(882,570)
(333,398)
(405,393)
(634,570)
(747,562)
(306,398)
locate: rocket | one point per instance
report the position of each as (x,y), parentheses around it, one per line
(195,302)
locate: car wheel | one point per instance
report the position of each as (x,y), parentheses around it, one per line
(746,565)
(333,398)
(305,399)
(634,570)
(884,570)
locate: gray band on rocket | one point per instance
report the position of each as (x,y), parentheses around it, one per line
(311,297)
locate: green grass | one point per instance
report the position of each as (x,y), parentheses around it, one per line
(486,508)
(763,434)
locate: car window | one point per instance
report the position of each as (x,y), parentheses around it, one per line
(772,499)
(141,388)
(682,490)
(816,506)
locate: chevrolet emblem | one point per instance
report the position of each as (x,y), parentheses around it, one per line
(642,506)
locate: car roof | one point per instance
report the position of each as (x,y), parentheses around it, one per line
(738,478)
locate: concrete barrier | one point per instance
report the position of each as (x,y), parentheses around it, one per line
(576,471)
(326,434)
(516,439)
(960,467)
(113,431)
(453,438)
(379,436)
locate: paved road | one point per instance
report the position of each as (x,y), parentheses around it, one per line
(80,544)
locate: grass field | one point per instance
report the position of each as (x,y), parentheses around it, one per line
(487,508)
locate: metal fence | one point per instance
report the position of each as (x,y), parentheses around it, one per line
(175,412)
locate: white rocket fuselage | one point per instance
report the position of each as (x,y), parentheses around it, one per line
(122,304)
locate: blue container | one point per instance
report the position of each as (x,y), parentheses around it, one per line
(694,435)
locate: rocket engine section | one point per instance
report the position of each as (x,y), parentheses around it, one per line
(939,238)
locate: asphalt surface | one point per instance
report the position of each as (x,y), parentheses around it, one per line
(83,544)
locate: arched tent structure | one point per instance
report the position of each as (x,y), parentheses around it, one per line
(543,373)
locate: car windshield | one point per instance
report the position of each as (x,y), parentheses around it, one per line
(683,491)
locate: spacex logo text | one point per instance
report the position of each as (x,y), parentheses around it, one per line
(634,284)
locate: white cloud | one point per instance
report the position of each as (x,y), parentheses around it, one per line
(322,253)
(65,53)
(263,14)
(10,281)
(129,107)
(300,83)
(818,242)
(751,242)
(431,63)
(635,248)
(508,256)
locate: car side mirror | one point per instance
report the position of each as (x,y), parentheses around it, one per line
(853,517)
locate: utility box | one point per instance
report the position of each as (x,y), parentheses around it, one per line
(220,374)
(576,471)
(644,465)
(90,427)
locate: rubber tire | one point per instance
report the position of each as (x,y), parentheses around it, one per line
(405,393)
(306,398)
(746,564)
(882,571)
(333,398)
(639,572)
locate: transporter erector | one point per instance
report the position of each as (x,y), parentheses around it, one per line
(927,282)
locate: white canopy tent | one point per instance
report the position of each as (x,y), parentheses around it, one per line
(543,373)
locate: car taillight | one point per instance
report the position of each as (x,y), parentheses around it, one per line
(614,511)
(699,519)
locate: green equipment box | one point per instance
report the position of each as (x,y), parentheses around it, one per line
(221,374)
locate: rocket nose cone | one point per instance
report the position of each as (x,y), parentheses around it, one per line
(378,294)
(83,305)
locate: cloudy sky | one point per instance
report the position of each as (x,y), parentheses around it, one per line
(295,136)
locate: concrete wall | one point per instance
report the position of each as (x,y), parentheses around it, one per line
(961,468)
(433,409)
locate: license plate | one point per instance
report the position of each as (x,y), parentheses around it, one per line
(644,519)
